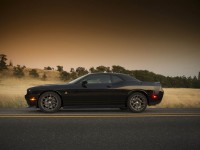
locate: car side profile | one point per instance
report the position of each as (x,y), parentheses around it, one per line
(104,90)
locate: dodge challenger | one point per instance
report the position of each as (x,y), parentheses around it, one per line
(97,90)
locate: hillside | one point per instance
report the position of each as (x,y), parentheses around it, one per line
(143,75)
(51,74)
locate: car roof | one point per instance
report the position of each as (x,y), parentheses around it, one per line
(125,77)
(110,73)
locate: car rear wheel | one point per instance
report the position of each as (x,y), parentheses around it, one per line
(137,102)
(49,102)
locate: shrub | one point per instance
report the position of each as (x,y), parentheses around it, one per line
(60,68)
(18,71)
(48,68)
(64,75)
(44,77)
(33,73)
(3,62)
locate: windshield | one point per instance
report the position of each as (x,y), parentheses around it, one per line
(76,80)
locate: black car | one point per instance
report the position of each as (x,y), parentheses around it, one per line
(97,90)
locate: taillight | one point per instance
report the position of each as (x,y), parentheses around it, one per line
(154,96)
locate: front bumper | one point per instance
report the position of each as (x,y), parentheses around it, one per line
(32,100)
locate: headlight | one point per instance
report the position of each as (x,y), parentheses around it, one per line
(29,91)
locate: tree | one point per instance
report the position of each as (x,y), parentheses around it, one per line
(60,68)
(81,71)
(72,70)
(199,76)
(33,73)
(92,70)
(48,68)
(118,69)
(64,75)
(102,69)
(18,71)
(73,74)
(3,60)
(108,69)
(195,82)
(23,67)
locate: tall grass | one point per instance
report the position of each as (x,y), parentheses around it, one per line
(12,101)
(180,98)
(12,90)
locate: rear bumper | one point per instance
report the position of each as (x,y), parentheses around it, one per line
(156,100)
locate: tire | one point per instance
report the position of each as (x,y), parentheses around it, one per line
(137,102)
(49,102)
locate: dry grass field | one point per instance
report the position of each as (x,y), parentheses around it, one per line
(12,91)
(180,98)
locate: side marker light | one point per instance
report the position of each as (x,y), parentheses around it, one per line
(33,99)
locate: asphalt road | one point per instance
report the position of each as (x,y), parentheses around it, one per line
(100,129)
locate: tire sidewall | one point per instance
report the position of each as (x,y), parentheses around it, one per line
(57,98)
(129,105)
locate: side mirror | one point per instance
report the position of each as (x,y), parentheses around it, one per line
(84,83)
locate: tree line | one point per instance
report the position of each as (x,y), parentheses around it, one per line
(143,75)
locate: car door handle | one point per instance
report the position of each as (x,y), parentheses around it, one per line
(108,86)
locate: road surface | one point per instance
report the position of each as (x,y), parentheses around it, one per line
(98,129)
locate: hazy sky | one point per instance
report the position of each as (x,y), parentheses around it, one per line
(162,36)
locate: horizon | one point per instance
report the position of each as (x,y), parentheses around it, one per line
(161,37)
(54,68)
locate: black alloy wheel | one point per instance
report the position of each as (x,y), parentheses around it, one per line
(137,102)
(49,102)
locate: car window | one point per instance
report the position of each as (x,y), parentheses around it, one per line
(98,79)
(77,80)
(128,78)
(116,79)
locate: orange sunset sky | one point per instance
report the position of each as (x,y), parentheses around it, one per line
(159,36)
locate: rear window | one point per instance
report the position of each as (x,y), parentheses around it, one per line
(128,78)
(116,79)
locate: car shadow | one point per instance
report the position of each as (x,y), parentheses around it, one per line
(89,111)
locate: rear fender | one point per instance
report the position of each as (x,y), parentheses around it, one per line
(140,91)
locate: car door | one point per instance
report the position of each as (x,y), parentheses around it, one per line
(96,91)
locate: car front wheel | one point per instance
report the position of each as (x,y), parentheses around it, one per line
(137,102)
(49,102)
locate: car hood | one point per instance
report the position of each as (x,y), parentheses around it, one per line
(49,86)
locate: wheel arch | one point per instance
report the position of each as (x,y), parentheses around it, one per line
(57,92)
(138,91)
